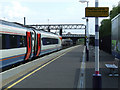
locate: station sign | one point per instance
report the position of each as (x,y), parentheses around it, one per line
(96,11)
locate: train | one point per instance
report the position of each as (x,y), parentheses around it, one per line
(67,42)
(20,43)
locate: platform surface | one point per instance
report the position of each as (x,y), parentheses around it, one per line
(61,73)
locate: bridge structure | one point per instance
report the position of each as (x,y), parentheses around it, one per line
(75,37)
(60,27)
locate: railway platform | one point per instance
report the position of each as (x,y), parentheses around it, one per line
(108,82)
(68,70)
(60,72)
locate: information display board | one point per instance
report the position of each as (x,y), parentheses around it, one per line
(96,11)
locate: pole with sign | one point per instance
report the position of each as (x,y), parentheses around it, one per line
(97,83)
(97,12)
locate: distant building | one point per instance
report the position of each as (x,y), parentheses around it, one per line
(69,33)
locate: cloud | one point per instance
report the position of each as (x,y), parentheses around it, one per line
(46,1)
(14,9)
(17,10)
(0,10)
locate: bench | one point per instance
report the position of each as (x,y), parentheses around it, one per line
(113,68)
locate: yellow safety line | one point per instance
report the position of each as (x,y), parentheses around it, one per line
(36,70)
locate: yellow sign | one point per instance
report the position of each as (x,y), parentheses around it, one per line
(96,11)
(85,36)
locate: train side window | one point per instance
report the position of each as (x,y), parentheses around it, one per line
(4,41)
(18,41)
(54,41)
(22,41)
(46,41)
(49,41)
(43,41)
(13,41)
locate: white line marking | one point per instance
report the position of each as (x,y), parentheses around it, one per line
(81,82)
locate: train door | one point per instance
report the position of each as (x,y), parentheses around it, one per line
(33,44)
(29,46)
(38,44)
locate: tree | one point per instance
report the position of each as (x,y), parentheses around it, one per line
(115,11)
(105,28)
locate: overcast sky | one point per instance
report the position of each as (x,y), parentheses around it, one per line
(57,11)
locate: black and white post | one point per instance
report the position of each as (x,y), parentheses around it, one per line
(87,37)
(87,41)
(97,82)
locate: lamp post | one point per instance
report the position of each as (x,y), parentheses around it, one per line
(24,20)
(87,33)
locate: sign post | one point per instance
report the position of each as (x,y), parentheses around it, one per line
(97,81)
(97,12)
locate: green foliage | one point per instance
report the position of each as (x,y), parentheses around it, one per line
(105,28)
(80,41)
(114,12)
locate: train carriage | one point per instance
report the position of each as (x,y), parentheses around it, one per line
(50,42)
(20,43)
(15,39)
